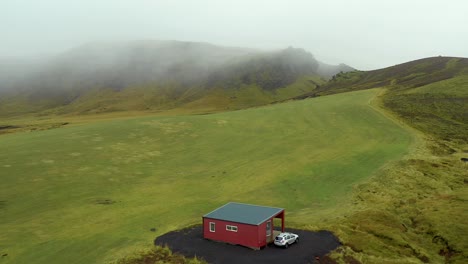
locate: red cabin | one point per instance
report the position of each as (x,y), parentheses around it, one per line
(242,224)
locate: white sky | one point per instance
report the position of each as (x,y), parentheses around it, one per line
(366,34)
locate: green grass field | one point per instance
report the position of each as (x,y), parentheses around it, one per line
(90,193)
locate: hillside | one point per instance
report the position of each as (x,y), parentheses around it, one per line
(431,94)
(417,205)
(102,190)
(155,75)
(410,74)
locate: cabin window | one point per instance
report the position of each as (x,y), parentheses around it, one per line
(231,228)
(212,227)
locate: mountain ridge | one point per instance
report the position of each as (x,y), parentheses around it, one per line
(171,71)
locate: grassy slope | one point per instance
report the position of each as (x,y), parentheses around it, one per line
(439,108)
(411,74)
(417,206)
(250,96)
(414,211)
(154,97)
(90,193)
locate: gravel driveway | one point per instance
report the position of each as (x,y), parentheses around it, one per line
(190,242)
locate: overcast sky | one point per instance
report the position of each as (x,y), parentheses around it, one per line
(366,34)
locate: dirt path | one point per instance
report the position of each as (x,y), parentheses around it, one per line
(190,242)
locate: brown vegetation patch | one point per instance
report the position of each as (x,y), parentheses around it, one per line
(104,201)
(7,127)
(446,249)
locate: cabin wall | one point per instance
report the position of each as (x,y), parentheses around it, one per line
(246,235)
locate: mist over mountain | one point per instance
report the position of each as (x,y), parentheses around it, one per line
(328,70)
(13,70)
(122,64)
(118,65)
(161,68)
(269,70)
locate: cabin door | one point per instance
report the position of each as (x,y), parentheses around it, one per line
(268,231)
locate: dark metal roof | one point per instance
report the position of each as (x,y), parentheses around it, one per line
(244,213)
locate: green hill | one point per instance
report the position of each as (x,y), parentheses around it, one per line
(410,74)
(93,192)
(417,205)
(431,94)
